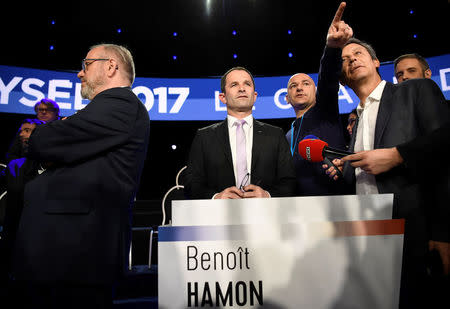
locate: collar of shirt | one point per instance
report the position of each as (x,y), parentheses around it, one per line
(375,95)
(232,120)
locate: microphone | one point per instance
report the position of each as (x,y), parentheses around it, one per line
(313,149)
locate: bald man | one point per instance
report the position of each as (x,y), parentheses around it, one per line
(317,112)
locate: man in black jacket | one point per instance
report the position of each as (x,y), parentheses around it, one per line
(214,163)
(390,115)
(317,112)
(75,227)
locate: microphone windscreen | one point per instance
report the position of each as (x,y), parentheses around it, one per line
(311,149)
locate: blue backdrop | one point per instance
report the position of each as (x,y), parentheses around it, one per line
(174,98)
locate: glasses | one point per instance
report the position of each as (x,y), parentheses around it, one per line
(244,181)
(85,64)
(45,110)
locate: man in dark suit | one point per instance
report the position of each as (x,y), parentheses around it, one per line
(13,179)
(317,112)
(390,115)
(75,228)
(220,168)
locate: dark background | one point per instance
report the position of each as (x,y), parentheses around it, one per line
(57,36)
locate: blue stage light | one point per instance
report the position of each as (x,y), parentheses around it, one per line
(290,55)
(52,47)
(289,32)
(415,36)
(52,22)
(411,12)
(175,34)
(119,30)
(234,32)
(234,56)
(174,57)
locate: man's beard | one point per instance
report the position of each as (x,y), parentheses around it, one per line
(89,89)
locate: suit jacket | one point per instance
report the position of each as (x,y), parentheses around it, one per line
(417,155)
(15,176)
(210,165)
(408,110)
(323,121)
(76,221)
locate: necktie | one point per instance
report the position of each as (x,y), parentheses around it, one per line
(241,152)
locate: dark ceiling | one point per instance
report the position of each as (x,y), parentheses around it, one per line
(204,44)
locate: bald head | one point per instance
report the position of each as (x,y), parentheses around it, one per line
(301,92)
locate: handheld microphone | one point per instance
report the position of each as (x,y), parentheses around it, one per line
(315,150)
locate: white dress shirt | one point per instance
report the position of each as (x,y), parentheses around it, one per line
(248,130)
(365,136)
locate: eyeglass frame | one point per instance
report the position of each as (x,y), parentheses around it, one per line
(244,182)
(41,110)
(84,65)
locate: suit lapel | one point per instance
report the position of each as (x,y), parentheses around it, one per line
(258,141)
(224,140)
(384,113)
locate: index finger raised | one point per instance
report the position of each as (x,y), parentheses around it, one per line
(339,12)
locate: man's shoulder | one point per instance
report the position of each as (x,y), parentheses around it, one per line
(212,128)
(412,84)
(266,127)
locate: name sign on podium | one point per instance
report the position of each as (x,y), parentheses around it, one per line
(301,258)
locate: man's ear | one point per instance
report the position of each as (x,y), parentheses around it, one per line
(222,98)
(427,73)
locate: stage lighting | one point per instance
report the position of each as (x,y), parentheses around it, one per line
(52,47)
(234,56)
(289,32)
(174,57)
(175,34)
(174,147)
(119,30)
(415,36)
(234,32)
(411,12)
(52,22)
(290,55)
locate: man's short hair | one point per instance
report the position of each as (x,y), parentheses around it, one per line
(51,105)
(223,80)
(124,56)
(423,63)
(32,121)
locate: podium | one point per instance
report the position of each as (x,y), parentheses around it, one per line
(300,252)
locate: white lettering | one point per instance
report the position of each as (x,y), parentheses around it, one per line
(442,73)
(345,95)
(5,90)
(161,92)
(149,98)
(53,93)
(183,93)
(33,92)
(217,102)
(78,102)
(276,99)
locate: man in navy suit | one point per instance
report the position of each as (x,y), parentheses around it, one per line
(212,167)
(317,113)
(390,115)
(75,229)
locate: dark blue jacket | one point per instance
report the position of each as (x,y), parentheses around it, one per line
(323,121)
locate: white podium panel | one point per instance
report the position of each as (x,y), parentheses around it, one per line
(295,265)
(282,210)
